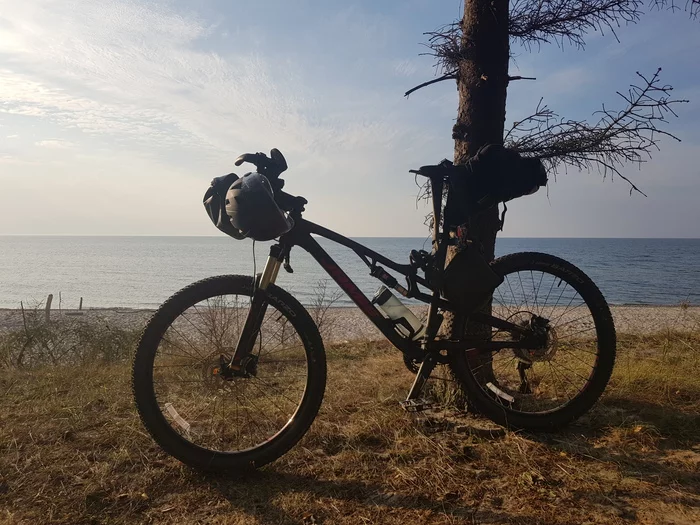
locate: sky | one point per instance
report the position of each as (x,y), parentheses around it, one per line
(115,115)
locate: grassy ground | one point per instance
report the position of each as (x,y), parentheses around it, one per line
(73,451)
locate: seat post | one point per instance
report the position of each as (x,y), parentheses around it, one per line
(437,184)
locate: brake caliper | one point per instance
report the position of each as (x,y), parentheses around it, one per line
(247,367)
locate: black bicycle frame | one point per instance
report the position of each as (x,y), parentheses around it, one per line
(301,235)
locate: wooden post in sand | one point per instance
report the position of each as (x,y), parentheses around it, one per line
(81,304)
(48,307)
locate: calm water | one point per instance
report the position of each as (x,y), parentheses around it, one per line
(144,271)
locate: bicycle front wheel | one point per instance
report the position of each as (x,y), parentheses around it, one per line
(213,422)
(548,387)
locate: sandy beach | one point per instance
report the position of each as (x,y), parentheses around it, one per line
(346,324)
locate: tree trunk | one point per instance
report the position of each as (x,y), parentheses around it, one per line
(482,84)
(483,77)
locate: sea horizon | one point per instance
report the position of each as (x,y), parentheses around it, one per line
(141,271)
(214,235)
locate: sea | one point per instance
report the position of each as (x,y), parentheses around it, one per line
(141,272)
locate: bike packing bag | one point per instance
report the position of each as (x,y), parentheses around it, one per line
(215,204)
(469,280)
(495,174)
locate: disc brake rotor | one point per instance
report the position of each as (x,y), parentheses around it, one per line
(539,327)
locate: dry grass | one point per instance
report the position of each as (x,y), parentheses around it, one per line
(64,340)
(74,451)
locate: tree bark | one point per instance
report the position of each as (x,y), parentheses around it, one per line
(483,77)
(482,84)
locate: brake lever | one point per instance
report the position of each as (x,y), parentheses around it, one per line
(253,158)
(277,157)
(271,167)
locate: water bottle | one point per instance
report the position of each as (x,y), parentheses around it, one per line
(406,323)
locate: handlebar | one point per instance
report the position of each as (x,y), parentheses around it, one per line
(288,202)
(253,158)
(272,166)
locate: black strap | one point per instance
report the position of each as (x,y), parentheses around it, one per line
(503,216)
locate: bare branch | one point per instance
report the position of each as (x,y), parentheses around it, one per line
(561,21)
(534,22)
(692,7)
(629,135)
(539,21)
(445,45)
(425,196)
(518,77)
(448,76)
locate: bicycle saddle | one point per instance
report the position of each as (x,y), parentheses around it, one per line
(434,170)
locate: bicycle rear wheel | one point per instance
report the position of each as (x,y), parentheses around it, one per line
(211,421)
(547,388)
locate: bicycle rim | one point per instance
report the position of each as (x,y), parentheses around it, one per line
(563,372)
(228,414)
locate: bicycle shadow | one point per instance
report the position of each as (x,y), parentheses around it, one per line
(641,438)
(255,494)
(276,495)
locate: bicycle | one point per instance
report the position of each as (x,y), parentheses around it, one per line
(230,371)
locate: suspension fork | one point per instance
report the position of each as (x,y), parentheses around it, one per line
(258,305)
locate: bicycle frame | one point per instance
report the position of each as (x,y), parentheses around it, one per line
(429,350)
(301,235)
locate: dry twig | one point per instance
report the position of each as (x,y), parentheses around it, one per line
(628,135)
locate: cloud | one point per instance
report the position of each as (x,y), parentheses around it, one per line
(146,75)
(111,67)
(54,143)
(405,68)
(144,79)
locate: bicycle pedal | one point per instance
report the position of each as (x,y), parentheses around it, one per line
(415,405)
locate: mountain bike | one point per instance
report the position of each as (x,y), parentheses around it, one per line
(230,371)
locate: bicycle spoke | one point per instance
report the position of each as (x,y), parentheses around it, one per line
(523,290)
(273,388)
(284,414)
(573,354)
(539,310)
(587,316)
(186,341)
(556,379)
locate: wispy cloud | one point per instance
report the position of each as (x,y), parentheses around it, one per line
(144,74)
(156,80)
(167,89)
(405,68)
(54,143)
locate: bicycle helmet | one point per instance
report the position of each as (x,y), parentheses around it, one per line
(251,205)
